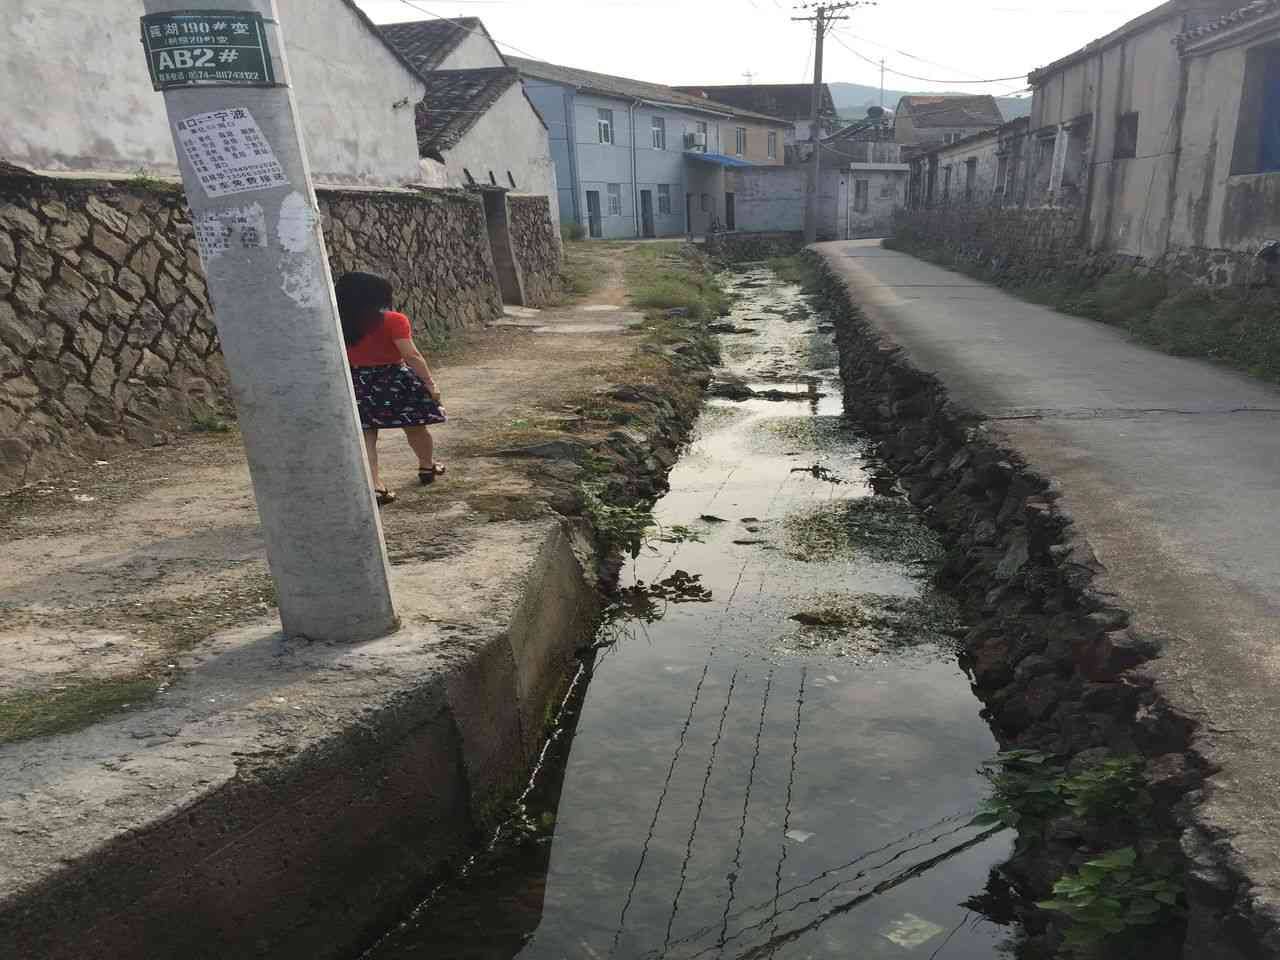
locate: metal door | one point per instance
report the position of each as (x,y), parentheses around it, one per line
(594,227)
(646,213)
(730,217)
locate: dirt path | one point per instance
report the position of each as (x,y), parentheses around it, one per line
(111,575)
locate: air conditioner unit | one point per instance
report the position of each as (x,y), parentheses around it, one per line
(695,141)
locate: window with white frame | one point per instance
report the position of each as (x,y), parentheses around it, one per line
(604,125)
(741,145)
(659,130)
(615,199)
(664,199)
(773,145)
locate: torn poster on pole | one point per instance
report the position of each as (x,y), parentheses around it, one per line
(228,152)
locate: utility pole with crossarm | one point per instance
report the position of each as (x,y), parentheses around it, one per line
(823,14)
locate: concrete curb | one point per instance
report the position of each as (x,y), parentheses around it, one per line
(306,848)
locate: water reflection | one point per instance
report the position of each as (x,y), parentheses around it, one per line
(776,754)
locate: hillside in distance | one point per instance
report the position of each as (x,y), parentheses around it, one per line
(852,100)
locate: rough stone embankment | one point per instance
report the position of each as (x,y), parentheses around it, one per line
(1053,654)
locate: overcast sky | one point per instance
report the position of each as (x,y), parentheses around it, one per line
(717,41)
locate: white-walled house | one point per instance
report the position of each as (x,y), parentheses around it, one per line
(475,123)
(79,98)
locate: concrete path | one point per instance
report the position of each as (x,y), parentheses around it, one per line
(1170,466)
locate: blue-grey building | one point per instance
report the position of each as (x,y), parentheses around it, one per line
(638,159)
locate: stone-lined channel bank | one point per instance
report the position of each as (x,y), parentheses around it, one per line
(774,750)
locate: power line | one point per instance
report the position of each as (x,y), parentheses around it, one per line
(922,80)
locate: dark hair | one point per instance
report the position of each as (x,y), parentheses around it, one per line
(361,299)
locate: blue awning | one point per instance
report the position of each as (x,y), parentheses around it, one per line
(719,159)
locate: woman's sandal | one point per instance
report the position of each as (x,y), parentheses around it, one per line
(427,475)
(384,496)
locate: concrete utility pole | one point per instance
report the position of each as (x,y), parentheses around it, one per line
(235,128)
(823,15)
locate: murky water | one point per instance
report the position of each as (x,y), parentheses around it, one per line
(776,758)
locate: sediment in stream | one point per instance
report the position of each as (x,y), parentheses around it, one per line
(1051,654)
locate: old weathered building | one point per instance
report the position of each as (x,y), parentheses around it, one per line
(931,121)
(1158,143)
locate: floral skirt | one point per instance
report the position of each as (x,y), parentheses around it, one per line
(393,396)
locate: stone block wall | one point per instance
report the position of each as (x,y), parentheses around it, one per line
(1018,245)
(105,327)
(738,247)
(106,334)
(536,246)
(431,244)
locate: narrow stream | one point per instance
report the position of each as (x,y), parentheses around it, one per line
(776,756)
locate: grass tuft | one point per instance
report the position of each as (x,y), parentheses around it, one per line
(43,713)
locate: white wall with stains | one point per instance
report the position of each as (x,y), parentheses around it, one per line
(79,100)
(510,143)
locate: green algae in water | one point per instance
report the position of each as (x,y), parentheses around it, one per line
(866,624)
(876,528)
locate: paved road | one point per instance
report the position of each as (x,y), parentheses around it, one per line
(1171,467)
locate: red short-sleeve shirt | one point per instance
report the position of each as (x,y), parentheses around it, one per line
(378,347)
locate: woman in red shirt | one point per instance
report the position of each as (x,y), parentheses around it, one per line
(394,387)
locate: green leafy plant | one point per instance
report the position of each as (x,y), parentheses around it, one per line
(1026,789)
(1113,893)
(573,231)
(618,526)
(1109,790)
(205,421)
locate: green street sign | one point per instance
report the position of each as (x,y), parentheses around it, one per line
(212,48)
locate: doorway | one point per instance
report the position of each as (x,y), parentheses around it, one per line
(688,214)
(646,213)
(730,214)
(595,229)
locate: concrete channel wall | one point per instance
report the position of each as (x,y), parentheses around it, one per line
(1052,655)
(240,848)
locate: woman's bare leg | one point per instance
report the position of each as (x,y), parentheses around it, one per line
(420,439)
(371,449)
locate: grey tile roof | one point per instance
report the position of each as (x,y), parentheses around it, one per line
(1235,18)
(455,100)
(425,43)
(944,111)
(793,100)
(627,89)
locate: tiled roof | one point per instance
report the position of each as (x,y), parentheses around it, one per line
(792,100)
(1235,18)
(455,100)
(625,88)
(950,111)
(426,43)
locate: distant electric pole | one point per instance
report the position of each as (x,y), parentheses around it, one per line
(823,15)
(882,83)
